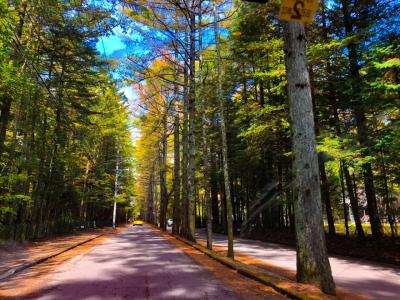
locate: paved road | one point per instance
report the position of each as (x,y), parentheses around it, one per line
(373,280)
(136,264)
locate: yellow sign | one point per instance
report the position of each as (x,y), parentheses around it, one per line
(298,10)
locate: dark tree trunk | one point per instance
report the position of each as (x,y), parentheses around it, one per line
(345,213)
(214,192)
(185,147)
(190,234)
(150,201)
(177,175)
(163,178)
(361,121)
(326,197)
(204,133)
(389,209)
(4,118)
(353,201)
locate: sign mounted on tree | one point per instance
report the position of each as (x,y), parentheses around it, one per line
(302,11)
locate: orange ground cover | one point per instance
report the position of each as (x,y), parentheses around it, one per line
(30,280)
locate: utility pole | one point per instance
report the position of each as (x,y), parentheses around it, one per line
(116,190)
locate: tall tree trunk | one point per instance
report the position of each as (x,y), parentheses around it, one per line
(389,209)
(312,259)
(206,164)
(177,158)
(192,115)
(351,191)
(229,209)
(326,197)
(116,190)
(150,200)
(347,178)
(361,122)
(163,173)
(214,192)
(345,213)
(185,145)
(82,207)
(4,118)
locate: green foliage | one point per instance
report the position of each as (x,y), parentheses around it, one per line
(66,122)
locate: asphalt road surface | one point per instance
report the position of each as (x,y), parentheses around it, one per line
(135,264)
(373,280)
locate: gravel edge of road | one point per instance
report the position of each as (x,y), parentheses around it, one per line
(13,271)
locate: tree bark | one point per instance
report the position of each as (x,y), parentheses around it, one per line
(229,209)
(326,198)
(4,118)
(116,190)
(312,259)
(206,163)
(177,156)
(163,173)
(351,190)
(192,115)
(150,200)
(185,145)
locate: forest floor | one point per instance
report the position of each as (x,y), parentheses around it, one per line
(136,263)
(359,276)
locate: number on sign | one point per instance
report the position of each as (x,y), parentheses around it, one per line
(296,8)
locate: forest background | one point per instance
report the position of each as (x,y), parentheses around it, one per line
(65,123)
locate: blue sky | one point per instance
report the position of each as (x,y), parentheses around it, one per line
(115,46)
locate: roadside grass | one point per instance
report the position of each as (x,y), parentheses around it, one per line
(341,229)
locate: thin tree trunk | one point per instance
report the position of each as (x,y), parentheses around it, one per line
(185,146)
(150,200)
(116,188)
(229,209)
(177,158)
(82,207)
(326,198)
(347,178)
(361,122)
(353,202)
(4,118)
(389,211)
(163,174)
(345,213)
(214,192)
(192,115)
(312,259)
(206,164)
